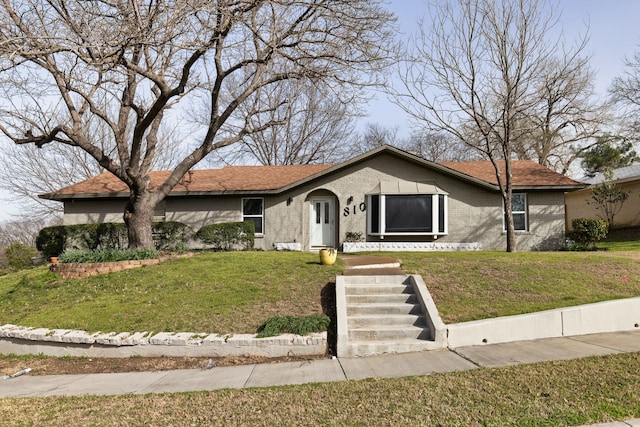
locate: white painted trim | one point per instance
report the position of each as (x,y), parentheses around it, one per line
(409,247)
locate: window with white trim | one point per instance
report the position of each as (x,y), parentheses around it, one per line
(408,214)
(519,211)
(253,211)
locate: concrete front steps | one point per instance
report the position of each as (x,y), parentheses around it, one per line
(386,314)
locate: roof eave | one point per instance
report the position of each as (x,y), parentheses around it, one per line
(399,153)
(63,197)
(566,187)
(121,195)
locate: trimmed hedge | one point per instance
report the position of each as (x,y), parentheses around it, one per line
(228,235)
(171,235)
(53,241)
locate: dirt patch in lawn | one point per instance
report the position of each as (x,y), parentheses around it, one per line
(95,365)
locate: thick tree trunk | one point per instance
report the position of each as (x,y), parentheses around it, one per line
(511,234)
(510,228)
(138,216)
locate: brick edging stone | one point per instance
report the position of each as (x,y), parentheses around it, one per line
(79,270)
(69,342)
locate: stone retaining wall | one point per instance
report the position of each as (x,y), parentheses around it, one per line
(79,270)
(65,342)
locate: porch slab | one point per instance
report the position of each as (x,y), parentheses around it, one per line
(368,265)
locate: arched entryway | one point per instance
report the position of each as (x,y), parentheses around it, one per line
(323,221)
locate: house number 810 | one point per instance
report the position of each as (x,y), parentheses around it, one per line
(354,209)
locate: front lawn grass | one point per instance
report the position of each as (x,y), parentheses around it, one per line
(212,292)
(235,292)
(621,239)
(477,285)
(562,393)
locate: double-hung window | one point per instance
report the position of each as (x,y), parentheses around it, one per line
(394,210)
(253,211)
(519,211)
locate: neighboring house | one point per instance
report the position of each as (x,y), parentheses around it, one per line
(579,204)
(395,200)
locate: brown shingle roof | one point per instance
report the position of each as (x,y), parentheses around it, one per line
(227,179)
(272,178)
(525,173)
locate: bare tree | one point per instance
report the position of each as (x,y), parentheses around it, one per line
(375,135)
(313,125)
(474,73)
(131,64)
(439,147)
(625,90)
(567,118)
(20,231)
(28,171)
(608,198)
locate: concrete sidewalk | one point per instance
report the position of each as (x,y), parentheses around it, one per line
(323,370)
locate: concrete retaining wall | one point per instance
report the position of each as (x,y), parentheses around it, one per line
(437,328)
(62,342)
(607,316)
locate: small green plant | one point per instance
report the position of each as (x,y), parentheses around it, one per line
(106,255)
(278,325)
(353,236)
(19,256)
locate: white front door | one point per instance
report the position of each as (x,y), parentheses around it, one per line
(322,222)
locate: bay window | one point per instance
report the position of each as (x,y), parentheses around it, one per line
(394,211)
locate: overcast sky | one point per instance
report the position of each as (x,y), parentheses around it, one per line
(614,34)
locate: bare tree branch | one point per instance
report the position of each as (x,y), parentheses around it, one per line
(131,64)
(474,73)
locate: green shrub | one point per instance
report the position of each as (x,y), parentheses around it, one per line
(106,255)
(112,235)
(587,231)
(19,255)
(226,236)
(293,325)
(171,235)
(51,241)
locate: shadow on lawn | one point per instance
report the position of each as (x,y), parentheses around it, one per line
(328,301)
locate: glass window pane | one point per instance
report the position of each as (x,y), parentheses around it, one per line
(519,222)
(441,213)
(408,213)
(252,206)
(317,209)
(518,202)
(257,222)
(326,212)
(374,212)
